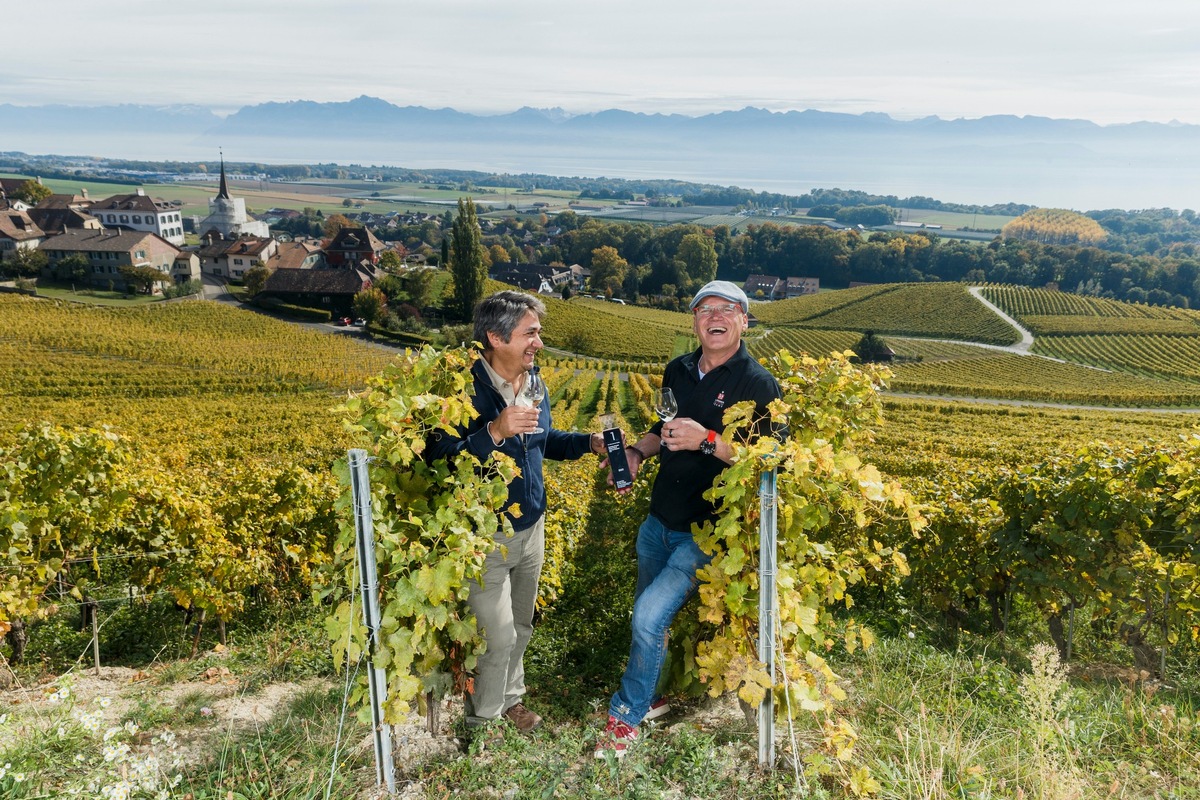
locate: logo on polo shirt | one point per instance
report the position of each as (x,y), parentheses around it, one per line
(720,401)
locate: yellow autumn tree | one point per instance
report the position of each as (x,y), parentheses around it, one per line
(1055,226)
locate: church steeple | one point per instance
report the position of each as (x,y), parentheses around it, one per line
(227,215)
(223,194)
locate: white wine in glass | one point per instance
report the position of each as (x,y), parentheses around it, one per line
(664,404)
(534,392)
(666,408)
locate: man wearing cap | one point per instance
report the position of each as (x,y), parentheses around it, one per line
(718,375)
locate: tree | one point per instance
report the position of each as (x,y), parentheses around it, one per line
(419,284)
(140,278)
(23,263)
(1055,226)
(370,304)
(866,215)
(390,261)
(347,203)
(72,268)
(608,269)
(334,223)
(872,349)
(499,255)
(697,258)
(32,192)
(466,258)
(255,278)
(393,288)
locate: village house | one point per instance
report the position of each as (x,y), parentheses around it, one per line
(248,252)
(763,287)
(798,287)
(186,267)
(107,251)
(230,259)
(354,248)
(541,278)
(18,231)
(8,190)
(60,212)
(330,289)
(137,212)
(296,255)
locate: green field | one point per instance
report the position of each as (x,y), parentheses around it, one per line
(955,219)
(937,310)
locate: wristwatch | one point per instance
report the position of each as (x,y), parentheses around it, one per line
(709,445)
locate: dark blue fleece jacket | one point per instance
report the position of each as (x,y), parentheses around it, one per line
(528,490)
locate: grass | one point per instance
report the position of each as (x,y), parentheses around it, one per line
(97,297)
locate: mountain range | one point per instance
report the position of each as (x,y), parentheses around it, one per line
(994,159)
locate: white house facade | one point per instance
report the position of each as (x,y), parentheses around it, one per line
(137,212)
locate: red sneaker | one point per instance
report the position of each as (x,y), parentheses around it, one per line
(659,708)
(615,739)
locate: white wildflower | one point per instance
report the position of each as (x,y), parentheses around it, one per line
(110,733)
(89,721)
(116,751)
(103,702)
(131,727)
(117,791)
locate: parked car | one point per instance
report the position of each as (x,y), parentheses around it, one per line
(342,321)
(360,322)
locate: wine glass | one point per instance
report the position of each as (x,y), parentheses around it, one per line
(665,406)
(534,392)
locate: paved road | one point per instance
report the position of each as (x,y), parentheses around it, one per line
(1026,337)
(214,289)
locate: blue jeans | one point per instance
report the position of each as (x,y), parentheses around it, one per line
(667,564)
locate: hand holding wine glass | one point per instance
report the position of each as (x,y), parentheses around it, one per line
(534,392)
(665,405)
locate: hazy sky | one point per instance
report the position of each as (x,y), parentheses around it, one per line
(1102,60)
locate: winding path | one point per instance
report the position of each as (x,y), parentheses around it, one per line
(1026,342)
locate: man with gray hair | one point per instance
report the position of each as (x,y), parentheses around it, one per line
(508,325)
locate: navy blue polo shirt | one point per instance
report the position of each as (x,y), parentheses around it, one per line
(685,475)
